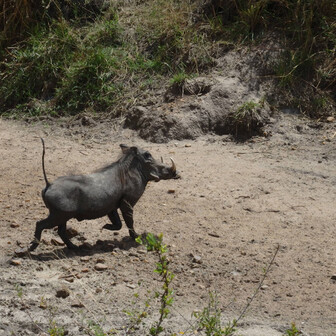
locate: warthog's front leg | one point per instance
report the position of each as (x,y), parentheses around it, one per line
(127,212)
(62,233)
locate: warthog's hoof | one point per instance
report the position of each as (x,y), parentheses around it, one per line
(111,227)
(33,245)
(133,234)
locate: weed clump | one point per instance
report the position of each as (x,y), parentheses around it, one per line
(246,120)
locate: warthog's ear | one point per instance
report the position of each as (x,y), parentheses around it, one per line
(124,148)
(134,150)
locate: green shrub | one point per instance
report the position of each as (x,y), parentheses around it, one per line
(35,69)
(87,81)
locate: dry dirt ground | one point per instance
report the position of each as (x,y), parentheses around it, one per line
(222,221)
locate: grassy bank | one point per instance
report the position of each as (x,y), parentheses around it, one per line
(62,58)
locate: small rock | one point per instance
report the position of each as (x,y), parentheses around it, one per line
(21,252)
(15,262)
(130,286)
(56,242)
(213,234)
(133,254)
(85,259)
(14,225)
(263,287)
(197,259)
(187,145)
(85,270)
(100,260)
(171,191)
(77,304)
(331,119)
(70,278)
(100,267)
(333,277)
(63,292)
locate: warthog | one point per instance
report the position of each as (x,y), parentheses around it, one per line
(116,186)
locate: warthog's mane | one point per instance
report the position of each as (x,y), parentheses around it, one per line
(125,162)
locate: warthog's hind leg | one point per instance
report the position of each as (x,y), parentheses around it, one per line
(115,219)
(47,223)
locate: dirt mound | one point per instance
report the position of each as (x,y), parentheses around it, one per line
(232,100)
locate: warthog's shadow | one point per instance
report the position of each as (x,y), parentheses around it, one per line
(100,247)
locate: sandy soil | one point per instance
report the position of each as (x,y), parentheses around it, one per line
(222,221)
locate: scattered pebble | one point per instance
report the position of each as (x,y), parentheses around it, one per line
(130,286)
(100,267)
(263,287)
(213,234)
(333,277)
(21,252)
(85,270)
(77,304)
(14,225)
(197,259)
(171,191)
(331,119)
(15,262)
(85,259)
(70,278)
(133,254)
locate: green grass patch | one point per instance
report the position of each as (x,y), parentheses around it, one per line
(67,58)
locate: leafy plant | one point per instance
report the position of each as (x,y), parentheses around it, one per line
(209,319)
(96,328)
(155,244)
(55,330)
(293,331)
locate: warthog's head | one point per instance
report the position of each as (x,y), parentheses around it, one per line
(151,169)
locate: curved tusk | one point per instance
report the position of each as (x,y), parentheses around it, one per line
(173,167)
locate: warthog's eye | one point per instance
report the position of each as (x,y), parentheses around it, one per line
(148,156)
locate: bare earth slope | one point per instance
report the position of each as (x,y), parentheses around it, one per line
(222,221)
